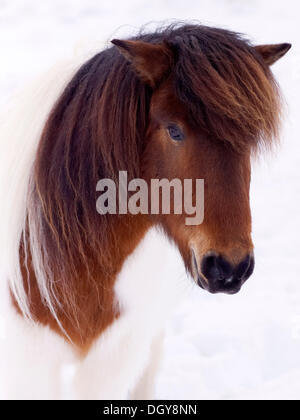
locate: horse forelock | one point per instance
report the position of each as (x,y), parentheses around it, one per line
(226,86)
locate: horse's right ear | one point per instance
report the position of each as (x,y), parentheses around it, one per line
(152,62)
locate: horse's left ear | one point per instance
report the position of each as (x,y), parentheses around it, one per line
(272,52)
(151,61)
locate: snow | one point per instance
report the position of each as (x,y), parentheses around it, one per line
(217,347)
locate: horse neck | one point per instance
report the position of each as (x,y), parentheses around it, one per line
(126,232)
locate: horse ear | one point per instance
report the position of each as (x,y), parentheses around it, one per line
(272,52)
(151,61)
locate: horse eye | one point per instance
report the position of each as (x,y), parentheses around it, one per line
(175,132)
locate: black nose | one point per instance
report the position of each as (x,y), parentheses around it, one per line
(220,276)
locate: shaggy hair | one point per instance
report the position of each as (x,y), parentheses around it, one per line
(96,129)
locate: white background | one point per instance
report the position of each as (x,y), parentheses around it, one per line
(246,346)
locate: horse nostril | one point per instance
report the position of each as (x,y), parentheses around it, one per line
(216,268)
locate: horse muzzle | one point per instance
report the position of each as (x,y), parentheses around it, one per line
(217,275)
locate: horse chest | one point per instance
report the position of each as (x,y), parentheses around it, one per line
(150,283)
(149,287)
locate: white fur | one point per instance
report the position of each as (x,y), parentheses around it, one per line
(148,287)
(31,358)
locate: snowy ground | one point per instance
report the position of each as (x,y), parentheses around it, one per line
(246,346)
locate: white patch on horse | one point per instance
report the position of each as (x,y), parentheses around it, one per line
(149,287)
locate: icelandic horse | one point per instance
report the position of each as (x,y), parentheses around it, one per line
(94,291)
